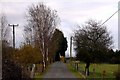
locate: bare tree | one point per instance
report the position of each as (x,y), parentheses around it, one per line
(42,22)
(5,30)
(28,33)
(92,42)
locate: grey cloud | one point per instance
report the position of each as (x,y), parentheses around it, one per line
(71,12)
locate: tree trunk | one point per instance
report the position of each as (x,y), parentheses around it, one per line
(87,68)
(43,66)
(43,63)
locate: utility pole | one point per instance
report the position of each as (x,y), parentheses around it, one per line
(13,25)
(70,47)
(119,26)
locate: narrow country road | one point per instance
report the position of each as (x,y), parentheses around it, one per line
(58,70)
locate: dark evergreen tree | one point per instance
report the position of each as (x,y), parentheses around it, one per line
(58,44)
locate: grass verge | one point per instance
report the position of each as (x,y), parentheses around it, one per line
(76,73)
(39,76)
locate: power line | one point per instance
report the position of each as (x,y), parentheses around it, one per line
(110,17)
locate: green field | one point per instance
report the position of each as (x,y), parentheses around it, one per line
(109,69)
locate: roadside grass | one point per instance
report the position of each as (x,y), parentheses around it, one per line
(39,75)
(76,73)
(101,70)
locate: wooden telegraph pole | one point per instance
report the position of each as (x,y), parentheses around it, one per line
(71,47)
(119,25)
(13,25)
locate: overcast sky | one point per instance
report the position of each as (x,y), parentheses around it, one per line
(71,13)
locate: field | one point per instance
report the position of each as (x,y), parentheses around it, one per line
(100,70)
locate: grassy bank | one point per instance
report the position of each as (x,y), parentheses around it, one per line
(39,75)
(76,73)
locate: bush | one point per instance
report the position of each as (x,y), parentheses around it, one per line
(10,70)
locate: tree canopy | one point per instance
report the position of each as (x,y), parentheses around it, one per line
(92,42)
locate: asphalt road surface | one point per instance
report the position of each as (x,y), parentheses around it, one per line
(58,70)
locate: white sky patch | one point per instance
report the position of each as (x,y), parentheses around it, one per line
(71,13)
